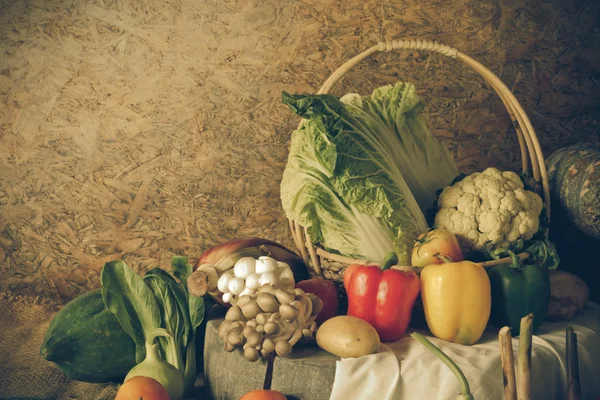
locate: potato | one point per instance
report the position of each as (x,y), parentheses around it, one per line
(568,293)
(347,336)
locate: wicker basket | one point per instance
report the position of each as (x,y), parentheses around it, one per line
(332,266)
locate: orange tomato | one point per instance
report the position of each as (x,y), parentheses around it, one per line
(141,387)
(263,395)
(430,243)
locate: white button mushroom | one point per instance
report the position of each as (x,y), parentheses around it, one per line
(227,297)
(223,282)
(265,264)
(269,277)
(253,281)
(281,264)
(244,267)
(247,291)
(235,286)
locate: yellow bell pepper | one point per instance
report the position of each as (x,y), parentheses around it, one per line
(457,300)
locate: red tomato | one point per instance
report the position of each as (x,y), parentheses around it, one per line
(141,387)
(263,395)
(327,292)
(432,242)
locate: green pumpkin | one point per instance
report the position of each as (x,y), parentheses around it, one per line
(87,342)
(574,177)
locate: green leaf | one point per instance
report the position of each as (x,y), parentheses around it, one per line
(197,311)
(128,297)
(167,289)
(181,269)
(543,252)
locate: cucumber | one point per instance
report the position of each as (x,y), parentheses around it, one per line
(87,343)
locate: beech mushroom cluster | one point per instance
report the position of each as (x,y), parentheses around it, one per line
(271,320)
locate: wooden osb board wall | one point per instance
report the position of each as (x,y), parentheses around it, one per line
(140,129)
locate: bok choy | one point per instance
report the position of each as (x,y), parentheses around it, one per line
(147,306)
(362,171)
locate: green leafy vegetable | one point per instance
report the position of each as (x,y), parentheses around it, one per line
(363,170)
(175,315)
(127,296)
(181,268)
(156,303)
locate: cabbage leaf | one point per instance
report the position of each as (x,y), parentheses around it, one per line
(362,171)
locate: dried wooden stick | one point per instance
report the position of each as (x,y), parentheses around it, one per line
(524,359)
(573,384)
(508,364)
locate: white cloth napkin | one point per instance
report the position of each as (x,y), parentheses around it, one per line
(407,370)
(374,376)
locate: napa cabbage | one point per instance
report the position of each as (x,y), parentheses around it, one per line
(363,170)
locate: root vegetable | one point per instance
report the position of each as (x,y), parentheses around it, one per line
(347,336)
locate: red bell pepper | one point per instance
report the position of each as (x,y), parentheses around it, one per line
(383,297)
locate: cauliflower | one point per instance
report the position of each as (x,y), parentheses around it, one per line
(489,206)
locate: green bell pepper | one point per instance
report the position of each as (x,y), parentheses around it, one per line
(518,290)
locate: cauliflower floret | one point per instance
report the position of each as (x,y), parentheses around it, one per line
(489,206)
(451,196)
(468,204)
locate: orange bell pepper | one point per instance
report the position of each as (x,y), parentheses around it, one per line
(383,297)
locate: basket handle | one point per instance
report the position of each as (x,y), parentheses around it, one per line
(528,141)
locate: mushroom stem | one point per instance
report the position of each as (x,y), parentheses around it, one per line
(295,337)
(197,284)
(211,274)
(274,317)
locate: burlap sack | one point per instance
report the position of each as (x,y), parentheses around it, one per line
(24,374)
